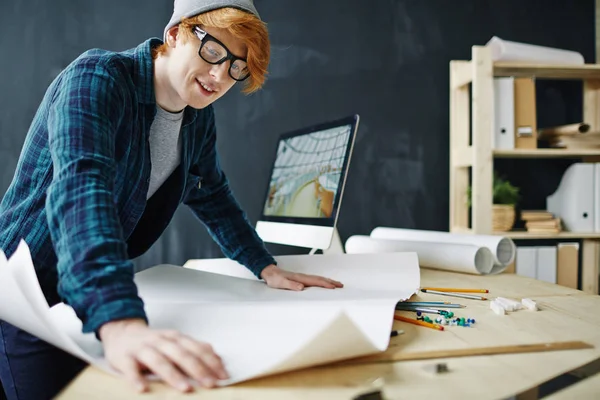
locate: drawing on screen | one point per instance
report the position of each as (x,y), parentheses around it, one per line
(307,174)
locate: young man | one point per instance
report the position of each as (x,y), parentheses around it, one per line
(119,141)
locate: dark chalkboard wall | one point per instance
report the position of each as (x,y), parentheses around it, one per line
(384,59)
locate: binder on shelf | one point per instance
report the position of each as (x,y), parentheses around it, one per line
(525,113)
(504,113)
(574,200)
(567,268)
(596,197)
(546,264)
(515,124)
(526,262)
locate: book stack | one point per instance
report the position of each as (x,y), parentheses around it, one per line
(541,221)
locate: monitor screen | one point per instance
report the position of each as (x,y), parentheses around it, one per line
(308,174)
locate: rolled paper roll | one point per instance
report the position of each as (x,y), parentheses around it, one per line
(503,249)
(467,258)
(509,51)
(563,130)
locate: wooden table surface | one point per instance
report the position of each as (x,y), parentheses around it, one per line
(565,315)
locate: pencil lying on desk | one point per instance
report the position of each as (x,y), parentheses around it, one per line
(410,305)
(457,290)
(463,296)
(417,322)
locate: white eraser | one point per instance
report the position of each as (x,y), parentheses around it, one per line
(509,304)
(497,307)
(504,304)
(529,304)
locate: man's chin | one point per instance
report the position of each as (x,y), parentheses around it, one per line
(199,102)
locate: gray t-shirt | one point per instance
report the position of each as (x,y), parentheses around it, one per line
(165,147)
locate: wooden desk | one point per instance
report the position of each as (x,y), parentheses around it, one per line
(565,315)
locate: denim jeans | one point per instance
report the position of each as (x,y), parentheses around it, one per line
(32,369)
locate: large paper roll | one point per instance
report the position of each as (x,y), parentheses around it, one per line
(503,249)
(445,256)
(505,50)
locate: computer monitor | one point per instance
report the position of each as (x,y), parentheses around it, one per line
(304,193)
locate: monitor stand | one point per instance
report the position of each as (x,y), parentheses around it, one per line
(336,246)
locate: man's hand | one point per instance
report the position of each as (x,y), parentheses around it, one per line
(131,347)
(281,279)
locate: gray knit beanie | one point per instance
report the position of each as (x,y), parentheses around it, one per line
(190,8)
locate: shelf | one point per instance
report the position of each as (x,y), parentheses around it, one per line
(560,235)
(586,71)
(545,153)
(472,156)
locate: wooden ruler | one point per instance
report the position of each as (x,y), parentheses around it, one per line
(469,352)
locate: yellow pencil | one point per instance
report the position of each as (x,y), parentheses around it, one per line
(417,322)
(457,290)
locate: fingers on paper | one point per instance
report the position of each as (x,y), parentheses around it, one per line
(291,284)
(131,370)
(193,364)
(206,353)
(336,283)
(160,364)
(314,280)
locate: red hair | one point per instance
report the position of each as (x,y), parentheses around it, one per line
(242,25)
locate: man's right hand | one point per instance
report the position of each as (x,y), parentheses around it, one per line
(131,347)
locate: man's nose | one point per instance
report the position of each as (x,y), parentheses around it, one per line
(220,71)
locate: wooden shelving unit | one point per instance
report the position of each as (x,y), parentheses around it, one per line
(471,84)
(545,153)
(560,235)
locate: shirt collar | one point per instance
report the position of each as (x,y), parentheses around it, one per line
(144,78)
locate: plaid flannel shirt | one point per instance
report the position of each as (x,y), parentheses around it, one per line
(78,197)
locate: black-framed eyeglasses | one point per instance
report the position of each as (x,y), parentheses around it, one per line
(214,52)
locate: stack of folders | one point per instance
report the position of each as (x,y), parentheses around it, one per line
(541,221)
(555,264)
(515,113)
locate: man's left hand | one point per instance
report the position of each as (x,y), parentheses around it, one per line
(278,278)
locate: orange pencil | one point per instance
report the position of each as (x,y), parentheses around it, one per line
(417,322)
(457,290)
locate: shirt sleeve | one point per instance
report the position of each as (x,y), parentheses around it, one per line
(214,204)
(95,274)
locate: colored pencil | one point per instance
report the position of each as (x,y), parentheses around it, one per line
(396,332)
(406,306)
(425,310)
(425,303)
(417,322)
(457,290)
(463,296)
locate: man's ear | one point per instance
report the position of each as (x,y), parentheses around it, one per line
(172,36)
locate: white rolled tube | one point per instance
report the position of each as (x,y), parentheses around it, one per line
(454,257)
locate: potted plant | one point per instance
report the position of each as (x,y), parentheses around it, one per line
(505,198)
